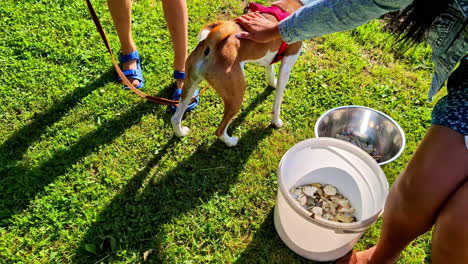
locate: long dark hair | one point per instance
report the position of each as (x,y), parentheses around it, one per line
(412,23)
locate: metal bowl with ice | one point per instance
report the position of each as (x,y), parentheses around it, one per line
(371,130)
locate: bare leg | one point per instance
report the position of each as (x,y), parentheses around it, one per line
(450,237)
(436,170)
(175,13)
(121,12)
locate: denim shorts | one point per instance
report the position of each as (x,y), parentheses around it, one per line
(452,110)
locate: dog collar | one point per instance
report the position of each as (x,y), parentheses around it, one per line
(279,14)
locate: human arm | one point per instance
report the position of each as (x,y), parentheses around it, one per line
(321,17)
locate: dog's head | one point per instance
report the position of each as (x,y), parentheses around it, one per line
(289,6)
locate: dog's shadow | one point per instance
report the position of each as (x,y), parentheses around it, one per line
(259,98)
(137,215)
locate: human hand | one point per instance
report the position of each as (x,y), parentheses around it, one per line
(259,28)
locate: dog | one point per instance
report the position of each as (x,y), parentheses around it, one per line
(219,58)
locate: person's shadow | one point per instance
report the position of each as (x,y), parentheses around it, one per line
(19,182)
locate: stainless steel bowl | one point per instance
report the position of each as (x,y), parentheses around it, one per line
(366,124)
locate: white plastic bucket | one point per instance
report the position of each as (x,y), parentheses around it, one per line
(328,161)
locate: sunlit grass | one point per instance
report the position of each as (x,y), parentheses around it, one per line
(91,173)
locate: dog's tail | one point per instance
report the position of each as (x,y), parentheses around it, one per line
(221,31)
(212,37)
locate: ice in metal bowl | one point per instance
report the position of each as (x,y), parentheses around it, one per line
(375,132)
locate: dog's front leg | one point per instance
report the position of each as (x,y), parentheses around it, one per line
(176,119)
(285,69)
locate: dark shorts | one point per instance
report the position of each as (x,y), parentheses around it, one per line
(452,110)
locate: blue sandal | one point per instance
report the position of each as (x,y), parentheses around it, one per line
(135,73)
(178,75)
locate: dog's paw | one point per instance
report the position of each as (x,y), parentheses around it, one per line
(182,132)
(230,141)
(277,123)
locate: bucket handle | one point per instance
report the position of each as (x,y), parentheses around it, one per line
(351,231)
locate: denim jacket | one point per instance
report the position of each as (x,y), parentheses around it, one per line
(448,36)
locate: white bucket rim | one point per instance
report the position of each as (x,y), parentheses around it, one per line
(357,227)
(374,110)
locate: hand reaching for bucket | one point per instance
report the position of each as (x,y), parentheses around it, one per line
(259,28)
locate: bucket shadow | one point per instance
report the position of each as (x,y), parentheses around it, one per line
(267,247)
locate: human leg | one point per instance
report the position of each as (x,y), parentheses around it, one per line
(450,236)
(121,12)
(436,170)
(176,15)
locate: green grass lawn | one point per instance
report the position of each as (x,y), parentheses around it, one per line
(89,172)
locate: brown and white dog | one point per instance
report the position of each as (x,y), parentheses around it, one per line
(219,59)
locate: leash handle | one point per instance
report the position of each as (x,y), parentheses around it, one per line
(158,100)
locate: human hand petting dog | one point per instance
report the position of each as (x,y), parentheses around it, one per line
(259,28)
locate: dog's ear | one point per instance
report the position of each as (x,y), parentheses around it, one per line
(212,25)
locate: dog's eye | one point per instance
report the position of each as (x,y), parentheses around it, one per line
(207,51)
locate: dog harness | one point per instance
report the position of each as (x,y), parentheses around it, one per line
(279,14)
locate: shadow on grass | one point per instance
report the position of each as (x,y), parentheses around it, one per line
(134,220)
(257,100)
(19,184)
(267,247)
(13,149)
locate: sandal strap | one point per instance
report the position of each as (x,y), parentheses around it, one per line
(177,93)
(132,74)
(131,56)
(179,75)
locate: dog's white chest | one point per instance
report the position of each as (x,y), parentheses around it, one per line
(265,61)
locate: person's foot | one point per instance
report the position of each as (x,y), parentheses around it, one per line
(364,257)
(131,65)
(357,257)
